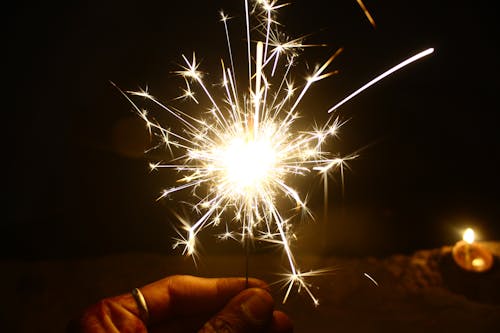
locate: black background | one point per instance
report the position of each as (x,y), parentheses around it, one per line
(428,135)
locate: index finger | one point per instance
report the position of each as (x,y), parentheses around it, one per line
(184,294)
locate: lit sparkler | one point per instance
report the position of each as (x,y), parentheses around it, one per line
(240,161)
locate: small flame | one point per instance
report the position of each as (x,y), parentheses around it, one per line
(469,235)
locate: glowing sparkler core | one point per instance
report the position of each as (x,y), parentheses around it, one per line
(248,165)
(240,159)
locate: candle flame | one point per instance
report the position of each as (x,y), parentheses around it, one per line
(469,235)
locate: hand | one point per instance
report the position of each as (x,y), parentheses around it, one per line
(189,304)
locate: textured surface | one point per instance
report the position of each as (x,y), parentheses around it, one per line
(424,291)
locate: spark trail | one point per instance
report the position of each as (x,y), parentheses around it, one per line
(241,157)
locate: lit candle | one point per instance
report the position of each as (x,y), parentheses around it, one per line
(470,255)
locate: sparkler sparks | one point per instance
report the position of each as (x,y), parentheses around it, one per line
(240,162)
(367,13)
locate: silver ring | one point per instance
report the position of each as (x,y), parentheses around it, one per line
(141,305)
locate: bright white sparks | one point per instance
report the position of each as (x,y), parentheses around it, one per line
(371,279)
(241,153)
(382,76)
(248,164)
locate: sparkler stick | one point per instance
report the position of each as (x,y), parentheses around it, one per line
(240,163)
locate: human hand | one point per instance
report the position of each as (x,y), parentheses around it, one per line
(182,303)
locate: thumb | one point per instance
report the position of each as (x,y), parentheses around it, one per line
(249,311)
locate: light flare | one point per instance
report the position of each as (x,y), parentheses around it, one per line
(240,155)
(249,165)
(469,236)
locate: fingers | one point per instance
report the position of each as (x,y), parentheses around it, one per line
(182,295)
(108,315)
(281,323)
(249,311)
(186,302)
(240,315)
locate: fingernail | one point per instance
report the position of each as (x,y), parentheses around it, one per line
(258,307)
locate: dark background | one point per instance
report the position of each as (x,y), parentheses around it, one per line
(77,184)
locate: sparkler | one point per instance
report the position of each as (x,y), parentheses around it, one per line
(242,160)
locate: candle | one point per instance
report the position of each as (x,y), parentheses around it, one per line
(471,256)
